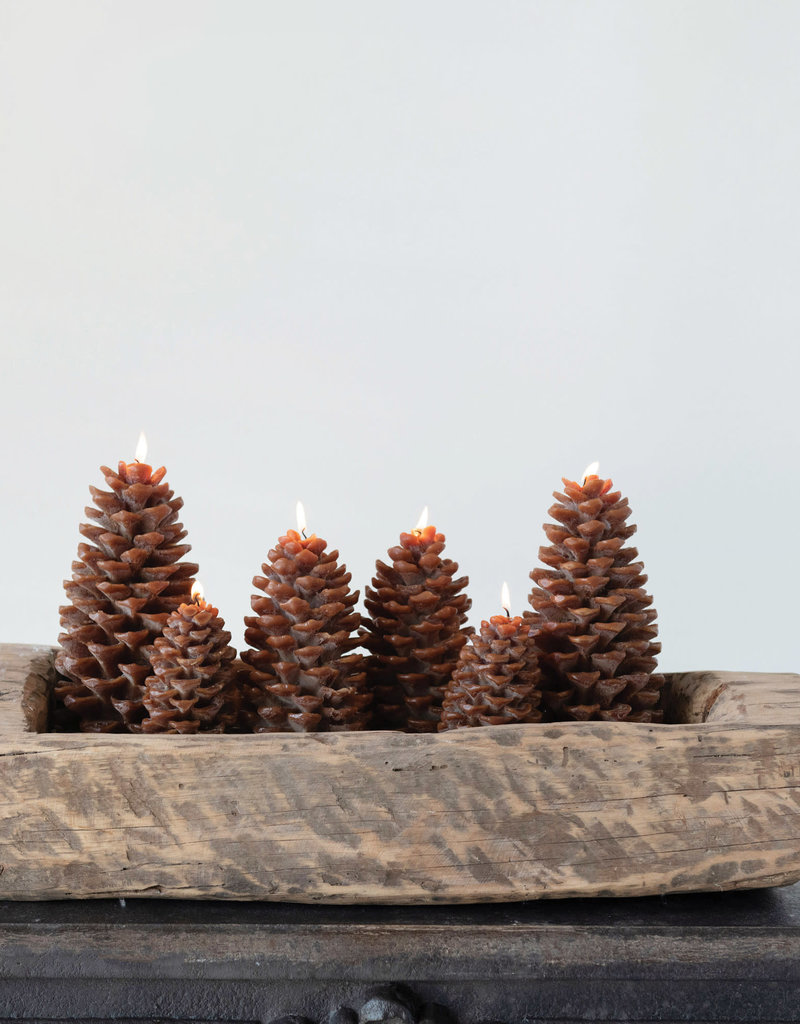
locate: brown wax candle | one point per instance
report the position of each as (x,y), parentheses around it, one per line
(496,679)
(303,677)
(127,579)
(417,608)
(593,620)
(192,686)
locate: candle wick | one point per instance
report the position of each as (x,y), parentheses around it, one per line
(508,613)
(303,534)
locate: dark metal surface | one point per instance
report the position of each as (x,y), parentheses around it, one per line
(726,957)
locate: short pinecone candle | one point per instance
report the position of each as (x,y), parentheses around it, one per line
(127,579)
(592,620)
(414,633)
(192,688)
(496,679)
(303,678)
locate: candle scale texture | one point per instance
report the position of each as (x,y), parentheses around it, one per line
(126,581)
(302,677)
(193,686)
(496,679)
(592,620)
(414,635)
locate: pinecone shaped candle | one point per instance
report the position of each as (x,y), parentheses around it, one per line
(192,687)
(592,620)
(127,579)
(496,679)
(302,676)
(417,609)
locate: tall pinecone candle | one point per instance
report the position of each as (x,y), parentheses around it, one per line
(496,679)
(414,635)
(302,676)
(127,579)
(592,620)
(192,688)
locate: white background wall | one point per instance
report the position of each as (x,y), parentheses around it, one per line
(377,255)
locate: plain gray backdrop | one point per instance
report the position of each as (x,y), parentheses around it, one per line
(381,255)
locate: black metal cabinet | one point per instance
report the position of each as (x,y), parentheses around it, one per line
(725,957)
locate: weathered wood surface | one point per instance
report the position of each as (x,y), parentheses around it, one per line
(511,813)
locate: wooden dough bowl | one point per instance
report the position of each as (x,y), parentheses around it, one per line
(491,814)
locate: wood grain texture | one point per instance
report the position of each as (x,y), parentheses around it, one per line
(510,813)
(26,681)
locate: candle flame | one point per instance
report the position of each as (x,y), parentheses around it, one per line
(505,599)
(422,522)
(197,592)
(141,448)
(301,519)
(591,470)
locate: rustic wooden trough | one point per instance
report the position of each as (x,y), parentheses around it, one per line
(507,813)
